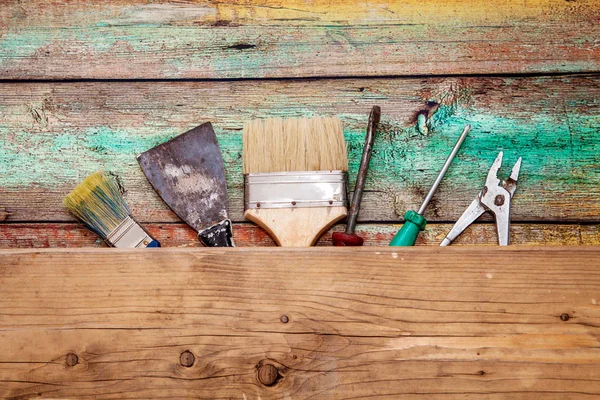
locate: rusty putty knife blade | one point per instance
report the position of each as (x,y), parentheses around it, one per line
(187,172)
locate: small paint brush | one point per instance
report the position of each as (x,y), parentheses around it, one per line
(349,238)
(295,177)
(98,203)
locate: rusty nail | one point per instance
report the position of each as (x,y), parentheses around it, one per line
(285,319)
(499,200)
(268,374)
(481,372)
(330,201)
(484,191)
(257,205)
(187,359)
(293,203)
(72,359)
(564,317)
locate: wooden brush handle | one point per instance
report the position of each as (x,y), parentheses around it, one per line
(296,227)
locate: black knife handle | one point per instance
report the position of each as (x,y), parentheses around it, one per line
(218,235)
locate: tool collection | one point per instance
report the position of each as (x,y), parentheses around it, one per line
(295,173)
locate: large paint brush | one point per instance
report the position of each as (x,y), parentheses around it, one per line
(98,203)
(295,177)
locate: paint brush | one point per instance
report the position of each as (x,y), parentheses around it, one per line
(98,203)
(295,177)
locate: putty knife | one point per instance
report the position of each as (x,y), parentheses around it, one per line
(187,172)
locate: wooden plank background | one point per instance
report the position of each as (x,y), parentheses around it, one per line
(88,85)
(52,39)
(415,323)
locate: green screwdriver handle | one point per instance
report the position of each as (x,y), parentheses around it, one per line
(413,224)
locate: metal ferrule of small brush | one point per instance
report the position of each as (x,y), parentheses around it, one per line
(295,189)
(129,234)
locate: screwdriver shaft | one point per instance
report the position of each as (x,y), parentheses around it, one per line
(438,180)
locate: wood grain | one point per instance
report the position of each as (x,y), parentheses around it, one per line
(52,135)
(438,323)
(69,235)
(296,227)
(59,39)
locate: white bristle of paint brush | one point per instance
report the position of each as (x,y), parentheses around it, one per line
(295,144)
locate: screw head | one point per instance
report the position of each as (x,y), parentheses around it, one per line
(499,200)
(285,319)
(72,359)
(564,317)
(268,374)
(187,359)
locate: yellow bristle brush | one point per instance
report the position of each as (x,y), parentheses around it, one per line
(98,203)
(295,177)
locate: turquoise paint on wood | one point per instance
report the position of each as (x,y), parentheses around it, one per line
(552,157)
(559,142)
(148,50)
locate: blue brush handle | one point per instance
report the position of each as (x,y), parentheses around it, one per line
(153,243)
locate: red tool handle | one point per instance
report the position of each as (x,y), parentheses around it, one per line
(346,239)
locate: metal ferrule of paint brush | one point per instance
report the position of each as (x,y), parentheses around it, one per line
(298,189)
(129,234)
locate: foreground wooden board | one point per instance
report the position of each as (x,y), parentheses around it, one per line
(71,235)
(52,135)
(58,39)
(334,323)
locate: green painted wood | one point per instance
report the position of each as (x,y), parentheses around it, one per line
(60,39)
(52,135)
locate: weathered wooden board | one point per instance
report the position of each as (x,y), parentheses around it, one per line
(58,39)
(53,134)
(404,323)
(65,235)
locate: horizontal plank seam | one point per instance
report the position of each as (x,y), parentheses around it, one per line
(591,73)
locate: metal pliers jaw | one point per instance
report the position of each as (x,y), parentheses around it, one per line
(495,198)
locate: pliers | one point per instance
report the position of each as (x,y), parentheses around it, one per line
(495,197)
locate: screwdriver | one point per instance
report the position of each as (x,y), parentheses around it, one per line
(349,238)
(414,221)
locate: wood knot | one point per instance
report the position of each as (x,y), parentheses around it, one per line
(268,374)
(72,359)
(187,359)
(242,46)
